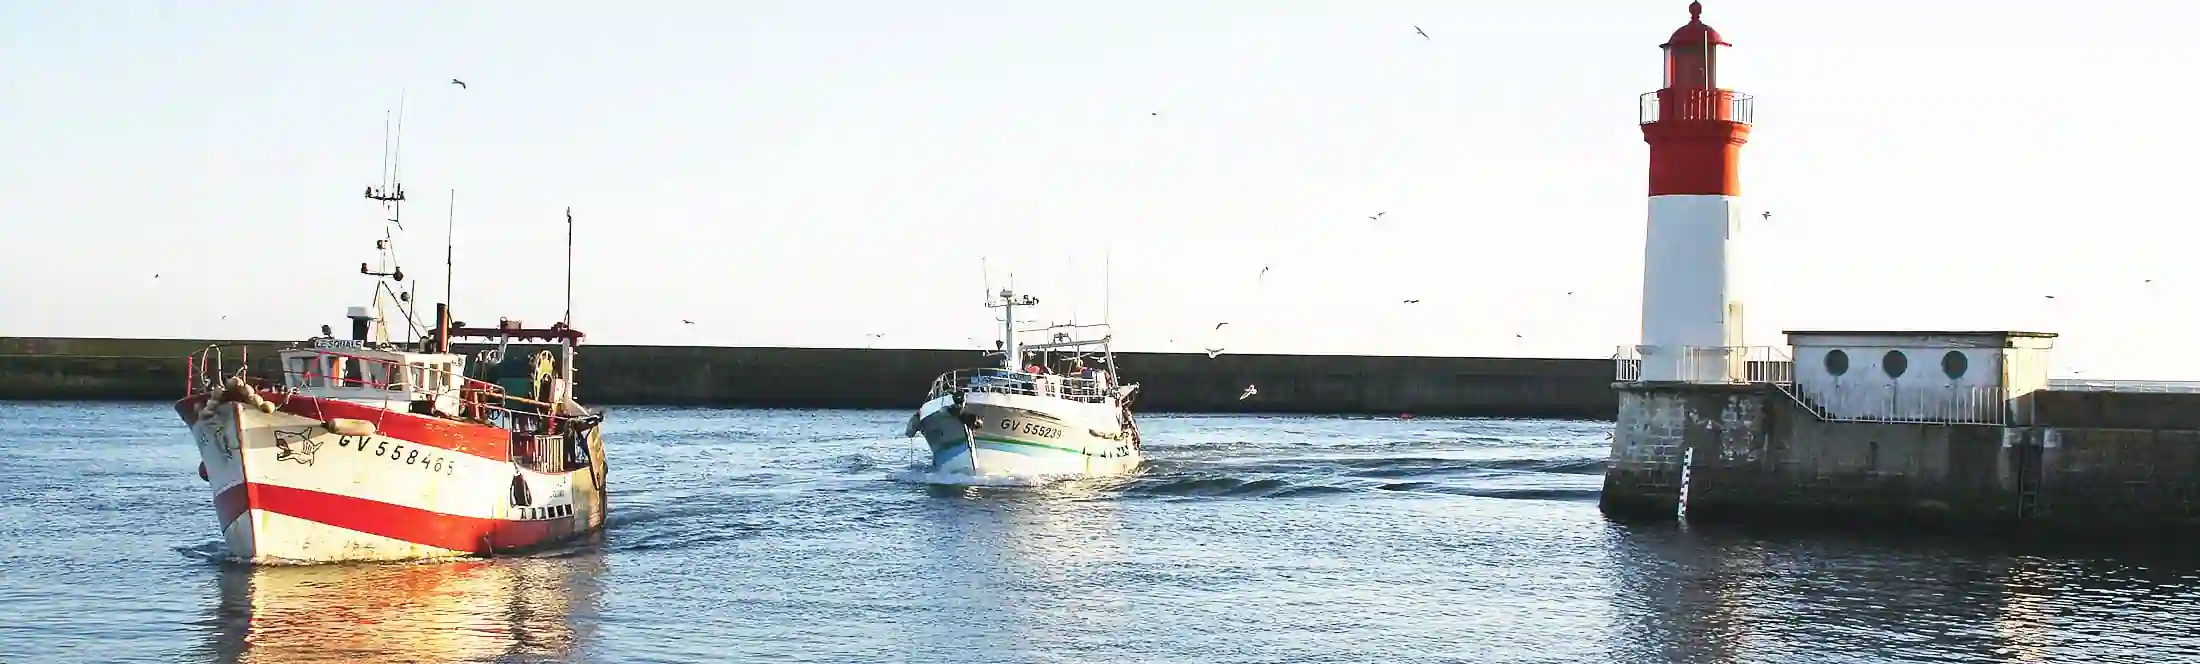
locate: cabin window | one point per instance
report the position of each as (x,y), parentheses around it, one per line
(416,376)
(343,371)
(1837,362)
(373,374)
(1895,363)
(304,372)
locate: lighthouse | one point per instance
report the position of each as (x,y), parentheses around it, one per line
(1691,321)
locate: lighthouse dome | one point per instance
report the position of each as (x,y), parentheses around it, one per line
(1696,32)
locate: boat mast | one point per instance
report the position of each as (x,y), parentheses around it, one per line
(450,234)
(391,195)
(1107,307)
(1013,352)
(568,266)
(565,365)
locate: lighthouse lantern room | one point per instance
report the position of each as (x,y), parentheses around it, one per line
(1691,319)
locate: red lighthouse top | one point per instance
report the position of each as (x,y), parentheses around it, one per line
(1691,55)
(1695,128)
(1695,32)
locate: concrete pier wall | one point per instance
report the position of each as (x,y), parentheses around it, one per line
(65,368)
(2085,461)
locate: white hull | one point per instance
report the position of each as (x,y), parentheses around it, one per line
(1027,436)
(287,489)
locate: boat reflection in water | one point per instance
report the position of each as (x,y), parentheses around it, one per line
(1025,562)
(457,611)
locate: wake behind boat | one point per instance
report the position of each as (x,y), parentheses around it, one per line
(1049,409)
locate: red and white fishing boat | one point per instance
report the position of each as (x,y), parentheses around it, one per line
(367,449)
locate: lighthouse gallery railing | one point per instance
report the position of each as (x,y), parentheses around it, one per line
(1696,104)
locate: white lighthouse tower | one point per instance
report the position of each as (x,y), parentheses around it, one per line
(1691,322)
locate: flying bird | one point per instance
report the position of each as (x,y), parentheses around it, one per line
(1264,272)
(1378,216)
(1413,301)
(1417,30)
(1212,352)
(1768,215)
(1249,392)
(1218,326)
(689,322)
(461,84)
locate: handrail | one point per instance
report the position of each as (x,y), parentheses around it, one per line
(477,398)
(1685,104)
(456,379)
(1003,381)
(1706,364)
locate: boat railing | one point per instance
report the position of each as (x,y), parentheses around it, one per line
(478,400)
(1003,381)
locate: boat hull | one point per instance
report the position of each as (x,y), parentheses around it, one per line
(1023,435)
(289,488)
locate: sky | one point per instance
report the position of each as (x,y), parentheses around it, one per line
(815,173)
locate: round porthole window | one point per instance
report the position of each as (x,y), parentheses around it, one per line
(1895,363)
(1837,362)
(1954,364)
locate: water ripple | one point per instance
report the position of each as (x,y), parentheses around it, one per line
(800,536)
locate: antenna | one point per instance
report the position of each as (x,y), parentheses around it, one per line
(450,225)
(397,154)
(385,172)
(1107,286)
(569,266)
(391,195)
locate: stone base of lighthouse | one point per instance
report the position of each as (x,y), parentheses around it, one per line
(2103,466)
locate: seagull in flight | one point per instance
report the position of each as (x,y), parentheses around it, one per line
(689,322)
(1378,216)
(1218,326)
(1768,215)
(1249,392)
(1417,30)
(1264,272)
(461,84)
(1212,352)
(1413,301)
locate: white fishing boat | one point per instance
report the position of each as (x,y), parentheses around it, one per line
(369,449)
(1049,409)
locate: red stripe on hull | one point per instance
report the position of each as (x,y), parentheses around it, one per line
(457,533)
(479,440)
